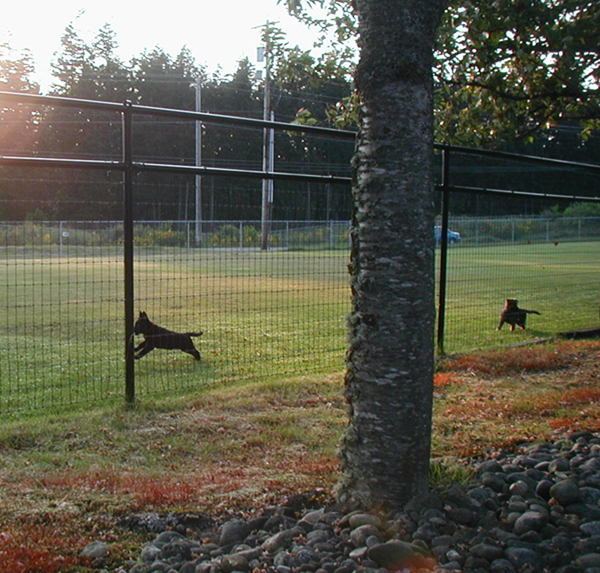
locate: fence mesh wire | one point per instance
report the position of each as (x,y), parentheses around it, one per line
(279,312)
(549,264)
(62,317)
(274,312)
(262,313)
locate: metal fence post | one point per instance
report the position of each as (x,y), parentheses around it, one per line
(331,236)
(441,317)
(128,250)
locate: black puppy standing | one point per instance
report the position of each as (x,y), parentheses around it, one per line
(158,337)
(513,315)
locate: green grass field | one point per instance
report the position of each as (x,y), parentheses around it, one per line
(561,281)
(279,313)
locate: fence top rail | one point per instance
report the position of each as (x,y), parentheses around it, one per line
(216,222)
(59,101)
(222,171)
(593,167)
(128,107)
(490,191)
(17,161)
(205,117)
(208,117)
(57,162)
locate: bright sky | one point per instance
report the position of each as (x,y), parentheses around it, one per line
(218,33)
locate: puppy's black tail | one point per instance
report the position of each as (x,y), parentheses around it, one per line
(199,333)
(531,311)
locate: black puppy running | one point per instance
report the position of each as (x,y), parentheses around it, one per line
(158,337)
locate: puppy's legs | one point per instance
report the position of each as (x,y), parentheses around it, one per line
(193,352)
(145,349)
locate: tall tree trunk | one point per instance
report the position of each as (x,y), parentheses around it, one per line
(389,380)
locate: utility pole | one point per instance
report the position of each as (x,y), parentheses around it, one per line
(198,213)
(268,147)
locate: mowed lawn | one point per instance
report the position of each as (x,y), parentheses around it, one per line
(273,314)
(262,314)
(561,281)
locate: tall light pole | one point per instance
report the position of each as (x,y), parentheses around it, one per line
(268,146)
(198,212)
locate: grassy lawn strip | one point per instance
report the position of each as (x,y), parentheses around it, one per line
(492,401)
(237,448)
(275,314)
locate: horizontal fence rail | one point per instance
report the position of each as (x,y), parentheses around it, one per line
(70,285)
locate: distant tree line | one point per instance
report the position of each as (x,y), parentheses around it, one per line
(93,71)
(475,104)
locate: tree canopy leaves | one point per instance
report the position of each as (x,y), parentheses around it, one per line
(16,71)
(503,70)
(510,68)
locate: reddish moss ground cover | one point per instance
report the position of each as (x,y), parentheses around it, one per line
(66,481)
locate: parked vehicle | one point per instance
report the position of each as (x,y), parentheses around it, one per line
(453,236)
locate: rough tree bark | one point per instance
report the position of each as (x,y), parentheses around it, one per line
(389,380)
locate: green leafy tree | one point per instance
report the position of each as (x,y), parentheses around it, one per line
(583,210)
(303,88)
(16,71)
(18,124)
(86,71)
(162,80)
(71,63)
(504,70)
(90,71)
(230,147)
(511,68)
(109,75)
(94,71)
(18,127)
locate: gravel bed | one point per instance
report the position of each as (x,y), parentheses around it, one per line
(534,511)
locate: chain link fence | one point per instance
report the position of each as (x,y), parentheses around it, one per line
(551,266)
